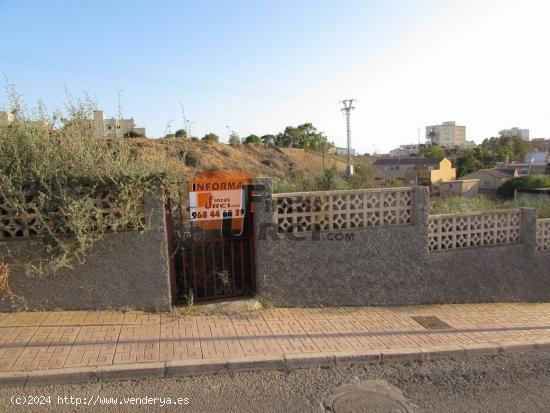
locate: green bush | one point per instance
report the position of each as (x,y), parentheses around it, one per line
(507,189)
(211,137)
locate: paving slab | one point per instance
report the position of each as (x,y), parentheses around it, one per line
(43,347)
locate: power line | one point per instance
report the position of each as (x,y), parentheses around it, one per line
(19,59)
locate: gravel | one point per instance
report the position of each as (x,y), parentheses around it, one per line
(506,383)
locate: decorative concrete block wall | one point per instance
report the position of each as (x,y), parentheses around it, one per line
(302,259)
(125,270)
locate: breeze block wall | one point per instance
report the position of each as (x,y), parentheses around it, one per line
(369,248)
(126,269)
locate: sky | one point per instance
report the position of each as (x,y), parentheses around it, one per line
(258,66)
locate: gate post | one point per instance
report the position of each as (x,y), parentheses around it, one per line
(263,215)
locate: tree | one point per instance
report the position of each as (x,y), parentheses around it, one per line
(304,136)
(433,151)
(234,140)
(211,137)
(268,139)
(252,140)
(181,133)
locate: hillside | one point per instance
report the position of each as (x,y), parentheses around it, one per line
(188,157)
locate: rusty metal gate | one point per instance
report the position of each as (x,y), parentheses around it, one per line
(207,264)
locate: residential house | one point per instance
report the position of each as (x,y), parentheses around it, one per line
(491,179)
(414,170)
(114,128)
(534,162)
(460,187)
(406,150)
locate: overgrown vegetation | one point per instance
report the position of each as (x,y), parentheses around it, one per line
(482,203)
(331,179)
(490,152)
(52,166)
(508,188)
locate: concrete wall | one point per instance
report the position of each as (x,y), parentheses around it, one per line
(392,266)
(126,270)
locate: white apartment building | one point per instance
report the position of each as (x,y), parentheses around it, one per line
(448,135)
(515,132)
(114,128)
(344,151)
(406,150)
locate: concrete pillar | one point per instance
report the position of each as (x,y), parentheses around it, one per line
(421,206)
(263,215)
(528,228)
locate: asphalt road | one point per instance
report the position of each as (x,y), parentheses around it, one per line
(511,383)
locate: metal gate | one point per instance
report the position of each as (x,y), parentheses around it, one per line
(209,264)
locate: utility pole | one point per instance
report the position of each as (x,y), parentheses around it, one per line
(118,122)
(348,107)
(228,134)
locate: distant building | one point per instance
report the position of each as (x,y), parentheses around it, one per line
(406,150)
(410,171)
(344,151)
(114,128)
(540,144)
(534,162)
(6,118)
(449,135)
(515,133)
(460,187)
(491,179)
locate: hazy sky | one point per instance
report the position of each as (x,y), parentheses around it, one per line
(259,66)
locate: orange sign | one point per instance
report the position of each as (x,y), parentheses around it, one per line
(218,195)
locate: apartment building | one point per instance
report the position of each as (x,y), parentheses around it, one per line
(344,151)
(515,132)
(114,128)
(448,135)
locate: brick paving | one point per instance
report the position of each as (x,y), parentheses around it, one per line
(55,340)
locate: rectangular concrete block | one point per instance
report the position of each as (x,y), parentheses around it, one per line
(255,363)
(132,371)
(358,357)
(543,345)
(13,379)
(309,360)
(62,376)
(518,346)
(439,352)
(195,367)
(482,349)
(402,354)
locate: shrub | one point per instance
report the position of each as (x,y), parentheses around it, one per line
(234,140)
(253,140)
(132,134)
(508,188)
(46,167)
(181,133)
(211,137)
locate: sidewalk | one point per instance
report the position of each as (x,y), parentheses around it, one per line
(107,343)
